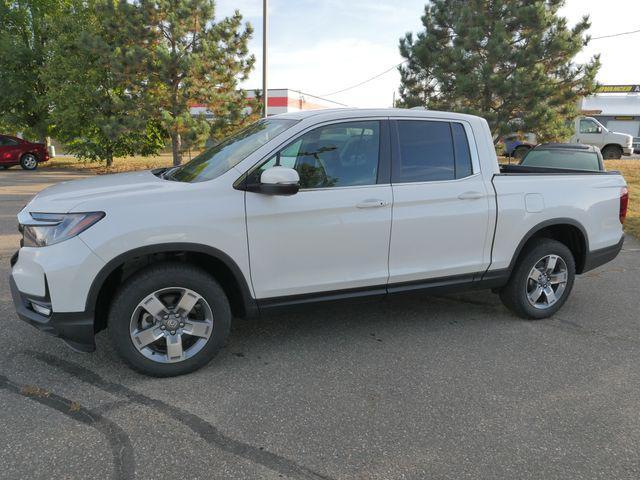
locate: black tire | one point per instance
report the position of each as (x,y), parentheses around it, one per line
(612,152)
(515,294)
(4,167)
(150,280)
(520,152)
(29,161)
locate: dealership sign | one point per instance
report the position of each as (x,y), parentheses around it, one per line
(618,89)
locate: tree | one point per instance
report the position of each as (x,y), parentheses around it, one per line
(195,60)
(510,61)
(101,105)
(25,40)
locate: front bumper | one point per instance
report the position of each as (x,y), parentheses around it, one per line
(75,328)
(627,151)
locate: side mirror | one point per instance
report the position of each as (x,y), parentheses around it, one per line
(599,129)
(277,181)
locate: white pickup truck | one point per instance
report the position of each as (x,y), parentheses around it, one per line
(304,208)
(613,145)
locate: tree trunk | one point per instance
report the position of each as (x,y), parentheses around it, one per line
(176,145)
(109,160)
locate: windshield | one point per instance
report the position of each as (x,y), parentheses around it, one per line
(227,154)
(558,158)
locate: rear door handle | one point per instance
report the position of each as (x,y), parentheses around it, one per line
(470,196)
(372,203)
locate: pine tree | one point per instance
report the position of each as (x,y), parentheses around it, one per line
(25,38)
(510,61)
(196,60)
(101,105)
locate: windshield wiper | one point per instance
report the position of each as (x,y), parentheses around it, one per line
(166,173)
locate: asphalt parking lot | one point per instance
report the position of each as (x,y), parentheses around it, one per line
(416,388)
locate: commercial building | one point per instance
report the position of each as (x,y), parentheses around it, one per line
(282,100)
(617,107)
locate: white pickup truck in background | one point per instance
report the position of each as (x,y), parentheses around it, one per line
(304,208)
(613,145)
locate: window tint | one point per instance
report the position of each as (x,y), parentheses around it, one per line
(338,155)
(462,152)
(431,151)
(6,141)
(222,157)
(559,158)
(588,126)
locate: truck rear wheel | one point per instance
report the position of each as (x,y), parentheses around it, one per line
(612,152)
(169,319)
(541,281)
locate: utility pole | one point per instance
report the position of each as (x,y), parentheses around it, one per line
(265,38)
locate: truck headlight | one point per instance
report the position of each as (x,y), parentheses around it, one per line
(50,228)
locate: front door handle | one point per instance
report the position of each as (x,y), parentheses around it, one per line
(372,203)
(470,196)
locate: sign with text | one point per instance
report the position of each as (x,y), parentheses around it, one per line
(618,89)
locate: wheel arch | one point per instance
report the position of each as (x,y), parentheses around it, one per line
(612,145)
(30,152)
(215,262)
(565,230)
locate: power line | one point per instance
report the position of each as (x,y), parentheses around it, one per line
(405,61)
(615,35)
(364,81)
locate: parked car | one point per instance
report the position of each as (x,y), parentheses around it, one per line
(613,145)
(305,208)
(573,156)
(516,145)
(17,151)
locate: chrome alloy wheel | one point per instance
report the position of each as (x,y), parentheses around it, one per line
(547,281)
(171,325)
(30,161)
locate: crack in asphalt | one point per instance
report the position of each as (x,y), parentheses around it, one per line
(208,432)
(119,442)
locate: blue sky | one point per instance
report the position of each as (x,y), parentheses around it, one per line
(324,45)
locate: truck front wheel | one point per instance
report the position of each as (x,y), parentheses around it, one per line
(612,152)
(541,281)
(169,319)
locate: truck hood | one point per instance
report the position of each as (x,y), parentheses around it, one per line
(66,196)
(623,139)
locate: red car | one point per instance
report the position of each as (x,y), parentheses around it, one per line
(16,151)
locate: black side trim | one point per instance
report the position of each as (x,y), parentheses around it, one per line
(495,278)
(543,225)
(14,258)
(75,328)
(436,285)
(249,303)
(281,303)
(601,256)
(454,283)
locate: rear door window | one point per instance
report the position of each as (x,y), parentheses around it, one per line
(431,151)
